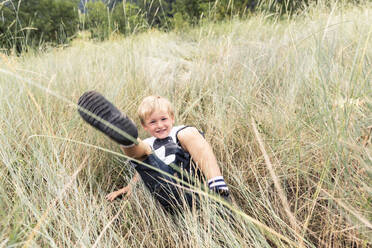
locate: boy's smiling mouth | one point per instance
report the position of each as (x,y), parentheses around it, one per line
(162,131)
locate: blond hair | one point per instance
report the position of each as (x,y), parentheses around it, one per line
(153,103)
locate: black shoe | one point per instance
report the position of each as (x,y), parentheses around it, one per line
(92,105)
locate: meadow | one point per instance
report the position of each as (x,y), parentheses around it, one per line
(286,104)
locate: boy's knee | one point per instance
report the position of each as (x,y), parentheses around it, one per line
(139,151)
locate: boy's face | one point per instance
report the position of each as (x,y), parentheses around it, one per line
(159,124)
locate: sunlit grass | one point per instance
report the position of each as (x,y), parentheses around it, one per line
(305,82)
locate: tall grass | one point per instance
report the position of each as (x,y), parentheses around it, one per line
(303,176)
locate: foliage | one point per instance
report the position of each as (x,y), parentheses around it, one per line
(97,20)
(31,23)
(283,6)
(128,18)
(157,12)
(35,22)
(194,10)
(103,21)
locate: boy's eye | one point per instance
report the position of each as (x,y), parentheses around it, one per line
(164,119)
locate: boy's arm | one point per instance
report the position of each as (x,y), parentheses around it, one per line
(126,190)
(200,150)
(140,152)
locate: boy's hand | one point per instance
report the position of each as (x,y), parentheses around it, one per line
(126,190)
(101,114)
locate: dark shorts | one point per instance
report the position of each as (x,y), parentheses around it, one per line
(166,190)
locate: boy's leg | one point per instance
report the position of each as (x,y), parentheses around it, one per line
(139,151)
(103,115)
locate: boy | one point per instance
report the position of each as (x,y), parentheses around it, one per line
(169,146)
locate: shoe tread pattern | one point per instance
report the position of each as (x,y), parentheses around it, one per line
(98,105)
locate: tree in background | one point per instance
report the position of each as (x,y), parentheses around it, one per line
(157,12)
(285,7)
(191,12)
(32,23)
(102,20)
(128,18)
(97,20)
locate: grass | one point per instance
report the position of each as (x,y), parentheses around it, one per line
(286,105)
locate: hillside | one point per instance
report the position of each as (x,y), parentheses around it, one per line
(285,103)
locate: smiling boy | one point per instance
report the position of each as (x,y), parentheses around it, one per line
(168,145)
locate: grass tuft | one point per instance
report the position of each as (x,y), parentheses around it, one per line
(306,81)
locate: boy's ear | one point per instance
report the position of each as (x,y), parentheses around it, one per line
(144,126)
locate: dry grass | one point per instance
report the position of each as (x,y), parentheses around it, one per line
(306,82)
